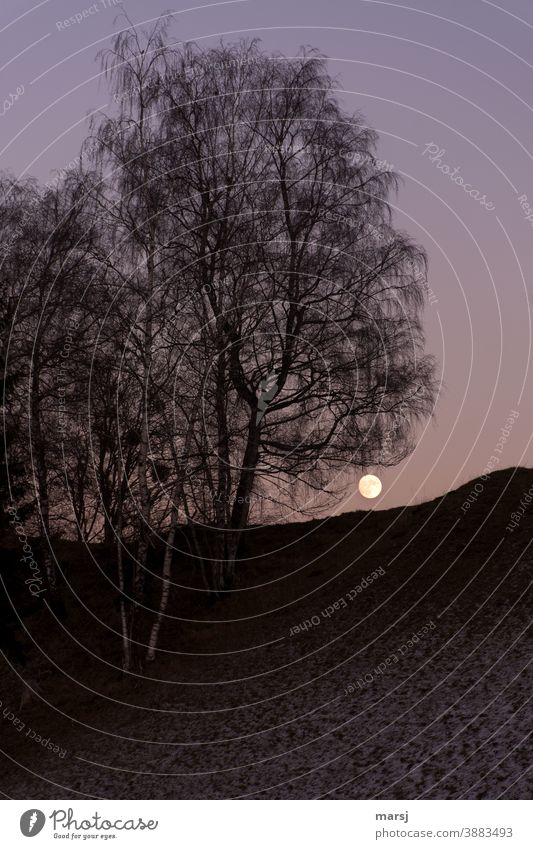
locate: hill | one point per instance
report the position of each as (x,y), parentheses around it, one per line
(369,654)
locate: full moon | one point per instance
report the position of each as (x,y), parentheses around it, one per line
(369,486)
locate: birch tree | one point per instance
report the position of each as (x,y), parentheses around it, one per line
(305,291)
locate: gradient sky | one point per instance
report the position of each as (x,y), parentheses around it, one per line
(455,74)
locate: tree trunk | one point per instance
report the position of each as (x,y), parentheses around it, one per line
(169,546)
(221,500)
(126,645)
(42,486)
(241,503)
(144,492)
(165,592)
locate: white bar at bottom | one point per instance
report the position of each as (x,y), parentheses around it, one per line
(269,824)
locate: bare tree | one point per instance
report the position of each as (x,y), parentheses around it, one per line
(48,262)
(248,317)
(129,194)
(303,289)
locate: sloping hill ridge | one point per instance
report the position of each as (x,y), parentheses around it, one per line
(373,654)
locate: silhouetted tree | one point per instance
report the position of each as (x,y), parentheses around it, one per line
(306,298)
(248,318)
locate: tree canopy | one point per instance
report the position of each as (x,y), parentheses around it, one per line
(221,321)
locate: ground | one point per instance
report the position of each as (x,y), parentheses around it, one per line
(411,686)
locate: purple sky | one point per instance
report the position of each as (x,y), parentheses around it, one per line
(455,74)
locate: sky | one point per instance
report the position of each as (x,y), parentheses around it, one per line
(448,85)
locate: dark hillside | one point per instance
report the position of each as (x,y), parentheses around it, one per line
(305,680)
